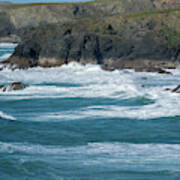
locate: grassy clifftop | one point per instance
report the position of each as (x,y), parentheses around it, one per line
(23,15)
(34,14)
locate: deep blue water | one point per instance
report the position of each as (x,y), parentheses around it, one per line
(81,123)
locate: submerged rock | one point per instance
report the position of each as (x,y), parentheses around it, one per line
(152,69)
(167,89)
(15,86)
(176,90)
(162,71)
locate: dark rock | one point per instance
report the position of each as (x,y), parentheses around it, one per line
(151,24)
(54,45)
(15,86)
(176,90)
(106,68)
(152,69)
(162,71)
(6,27)
(167,89)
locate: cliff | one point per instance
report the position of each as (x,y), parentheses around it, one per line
(115,34)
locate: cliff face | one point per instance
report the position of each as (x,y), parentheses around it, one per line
(115,34)
(26,15)
(6,26)
(21,16)
(34,14)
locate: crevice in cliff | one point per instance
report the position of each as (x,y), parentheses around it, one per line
(68,48)
(98,52)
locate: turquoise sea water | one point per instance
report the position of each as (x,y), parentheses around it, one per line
(6,50)
(81,123)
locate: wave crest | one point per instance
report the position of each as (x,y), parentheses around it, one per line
(8,45)
(7,117)
(5,56)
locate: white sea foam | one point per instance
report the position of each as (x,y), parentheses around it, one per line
(91,82)
(133,155)
(5,56)
(6,116)
(136,112)
(112,149)
(8,45)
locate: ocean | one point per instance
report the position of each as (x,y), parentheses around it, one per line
(82,123)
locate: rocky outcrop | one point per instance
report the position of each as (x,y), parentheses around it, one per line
(152,69)
(133,43)
(176,90)
(139,34)
(15,86)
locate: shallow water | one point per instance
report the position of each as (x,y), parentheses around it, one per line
(79,122)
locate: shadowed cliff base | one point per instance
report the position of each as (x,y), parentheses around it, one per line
(124,38)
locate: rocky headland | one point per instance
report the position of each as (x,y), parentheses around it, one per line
(116,34)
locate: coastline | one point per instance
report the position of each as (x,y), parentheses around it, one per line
(90,91)
(80,122)
(141,36)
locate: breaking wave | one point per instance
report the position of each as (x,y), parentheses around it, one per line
(105,153)
(8,45)
(6,116)
(145,90)
(5,56)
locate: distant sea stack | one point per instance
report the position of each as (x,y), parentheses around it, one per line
(115,34)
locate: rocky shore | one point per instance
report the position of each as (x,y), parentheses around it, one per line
(144,35)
